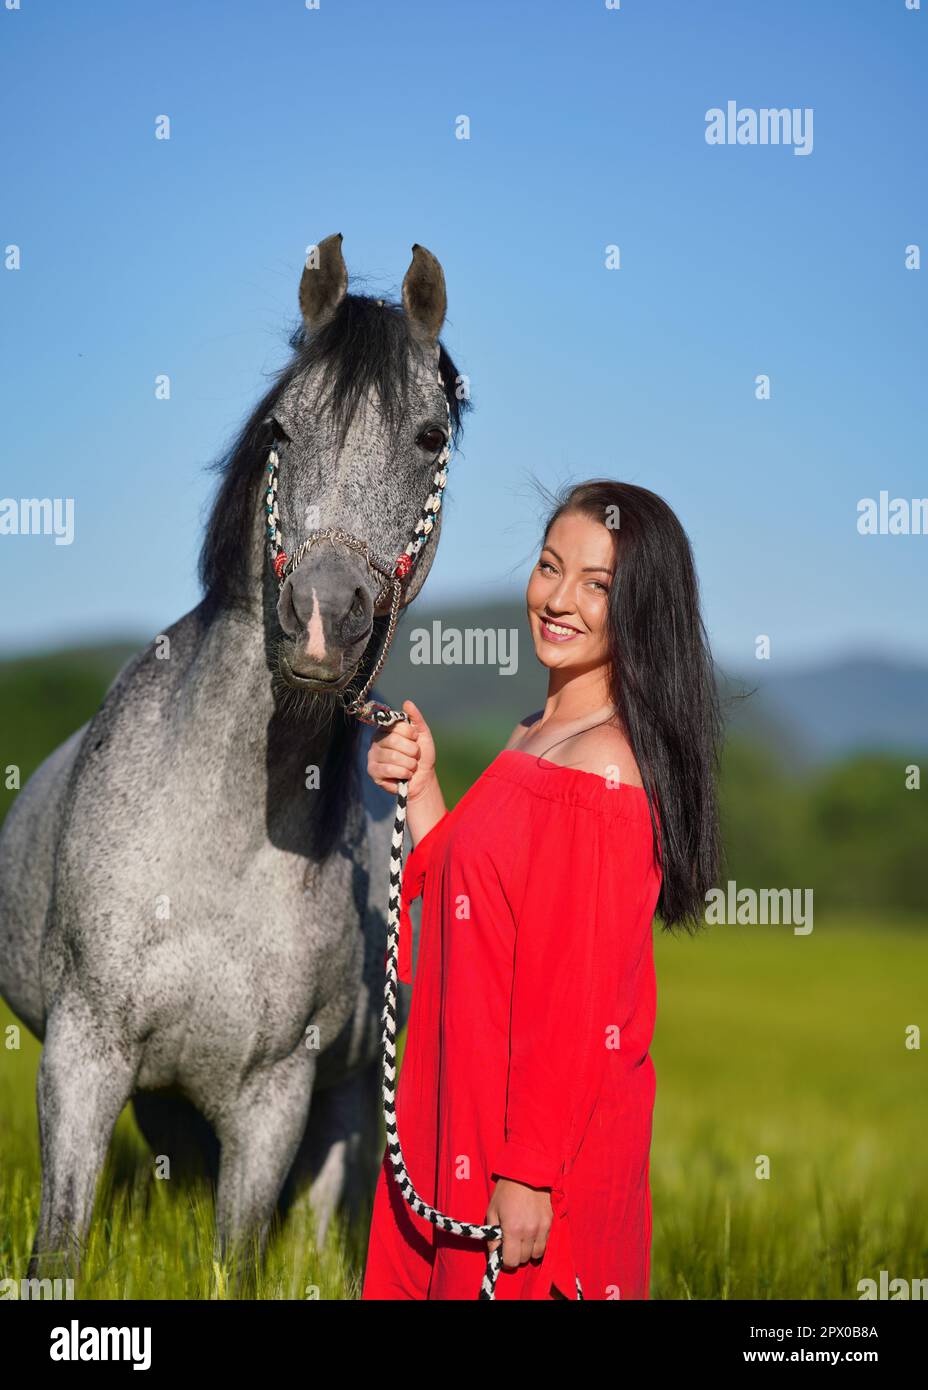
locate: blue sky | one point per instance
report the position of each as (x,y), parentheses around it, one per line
(142,257)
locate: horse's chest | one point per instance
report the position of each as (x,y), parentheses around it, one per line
(255,963)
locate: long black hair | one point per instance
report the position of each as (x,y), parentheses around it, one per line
(662,683)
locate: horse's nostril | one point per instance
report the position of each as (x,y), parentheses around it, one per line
(357,617)
(286,611)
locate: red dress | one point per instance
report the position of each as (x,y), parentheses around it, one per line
(526,1051)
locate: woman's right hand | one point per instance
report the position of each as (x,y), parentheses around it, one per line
(404,752)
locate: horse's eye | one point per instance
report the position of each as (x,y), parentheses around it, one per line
(431,440)
(275,432)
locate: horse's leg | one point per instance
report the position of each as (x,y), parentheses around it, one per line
(365,1149)
(339,1158)
(84,1080)
(260,1133)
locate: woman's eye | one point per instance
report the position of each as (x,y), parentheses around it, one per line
(431,440)
(547,565)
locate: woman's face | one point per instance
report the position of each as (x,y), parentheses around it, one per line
(568,594)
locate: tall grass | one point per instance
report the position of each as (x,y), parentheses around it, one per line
(767,1044)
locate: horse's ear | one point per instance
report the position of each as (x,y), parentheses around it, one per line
(324,282)
(424,297)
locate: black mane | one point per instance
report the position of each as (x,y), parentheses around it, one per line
(364,347)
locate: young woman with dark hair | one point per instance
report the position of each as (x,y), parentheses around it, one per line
(526,1090)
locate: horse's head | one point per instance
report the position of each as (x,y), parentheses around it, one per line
(359,426)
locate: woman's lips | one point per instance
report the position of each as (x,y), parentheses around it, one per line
(557,633)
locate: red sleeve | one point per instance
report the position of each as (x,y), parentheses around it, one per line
(568,956)
(415,868)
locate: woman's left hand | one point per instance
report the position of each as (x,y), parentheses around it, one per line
(525,1216)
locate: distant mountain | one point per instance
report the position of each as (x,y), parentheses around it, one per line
(852,704)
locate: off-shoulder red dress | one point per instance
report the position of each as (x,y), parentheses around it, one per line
(526,1051)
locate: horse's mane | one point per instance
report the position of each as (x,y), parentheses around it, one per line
(364,347)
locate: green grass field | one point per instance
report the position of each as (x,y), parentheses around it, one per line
(767,1044)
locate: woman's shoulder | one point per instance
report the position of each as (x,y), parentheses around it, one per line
(598,791)
(521,730)
(604,751)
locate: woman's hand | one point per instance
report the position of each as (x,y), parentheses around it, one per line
(525,1216)
(404,752)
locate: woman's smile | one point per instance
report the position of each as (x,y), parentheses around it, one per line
(557,632)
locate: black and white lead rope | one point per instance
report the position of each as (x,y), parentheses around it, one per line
(383,716)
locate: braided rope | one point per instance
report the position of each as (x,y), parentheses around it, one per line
(384,717)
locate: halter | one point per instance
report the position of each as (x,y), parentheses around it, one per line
(384,717)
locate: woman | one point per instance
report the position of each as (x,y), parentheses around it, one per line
(526,1089)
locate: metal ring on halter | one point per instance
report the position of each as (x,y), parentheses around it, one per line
(337,538)
(374,562)
(383,716)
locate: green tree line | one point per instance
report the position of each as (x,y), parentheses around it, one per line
(855,831)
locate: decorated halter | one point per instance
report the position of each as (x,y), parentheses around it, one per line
(394,572)
(394,575)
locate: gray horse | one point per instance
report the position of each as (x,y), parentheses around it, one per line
(193,886)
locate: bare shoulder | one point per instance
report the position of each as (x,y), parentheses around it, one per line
(604,751)
(522,729)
